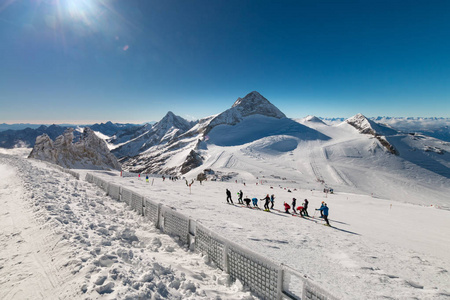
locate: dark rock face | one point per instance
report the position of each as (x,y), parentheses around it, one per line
(193,161)
(365,126)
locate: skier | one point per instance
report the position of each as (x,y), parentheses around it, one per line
(266,204)
(272,200)
(300,210)
(146,177)
(229,197)
(321,209)
(324,209)
(255,202)
(293,205)
(240,194)
(286,207)
(305,207)
(247,201)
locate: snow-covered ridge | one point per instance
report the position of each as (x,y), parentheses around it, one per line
(89,152)
(366,126)
(165,131)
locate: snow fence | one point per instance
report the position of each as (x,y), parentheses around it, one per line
(265,278)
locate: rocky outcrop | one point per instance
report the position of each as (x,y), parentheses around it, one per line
(89,152)
(366,126)
(193,160)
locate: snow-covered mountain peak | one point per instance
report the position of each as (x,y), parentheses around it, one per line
(313,119)
(255,103)
(361,123)
(172,120)
(366,126)
(252,104)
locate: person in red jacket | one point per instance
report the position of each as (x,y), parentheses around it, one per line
(300,210)
(287,207)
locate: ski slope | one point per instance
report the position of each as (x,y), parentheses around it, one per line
(377,248)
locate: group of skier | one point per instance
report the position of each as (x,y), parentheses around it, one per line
(302,210)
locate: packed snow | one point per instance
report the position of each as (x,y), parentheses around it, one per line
(62,238)
(377,248)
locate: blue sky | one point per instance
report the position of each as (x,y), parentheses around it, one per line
(84,61)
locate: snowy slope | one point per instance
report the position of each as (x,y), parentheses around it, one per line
(390,216)
(164,131)
(249,119)
(61,238)
(356,156)
(376,249)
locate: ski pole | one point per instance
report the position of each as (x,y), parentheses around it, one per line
(315,211)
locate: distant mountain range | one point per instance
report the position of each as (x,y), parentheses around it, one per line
(435,127)
(253,141)
(27,137)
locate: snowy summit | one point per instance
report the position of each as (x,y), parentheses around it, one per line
(252,104)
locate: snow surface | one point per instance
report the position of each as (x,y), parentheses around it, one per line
(61,238)
(391,214)
(377,248)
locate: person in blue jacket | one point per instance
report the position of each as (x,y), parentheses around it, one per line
(321,209)
(255,202)
(272,200)
(324,210)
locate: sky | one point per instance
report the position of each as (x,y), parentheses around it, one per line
(87,61)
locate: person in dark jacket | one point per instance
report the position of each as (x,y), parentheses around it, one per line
(229,196)
(305,207)
(240,194)
(324,209)
(266,204)
(294,201)
(247,201)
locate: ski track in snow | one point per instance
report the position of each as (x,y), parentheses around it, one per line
(63,239)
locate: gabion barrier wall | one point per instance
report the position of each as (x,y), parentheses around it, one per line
(126,196)
(89,178)
(151,211)
(259,274)
(265,278)
(114,191)
(207,243)
(293,283)
(137,203)
(176,224)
